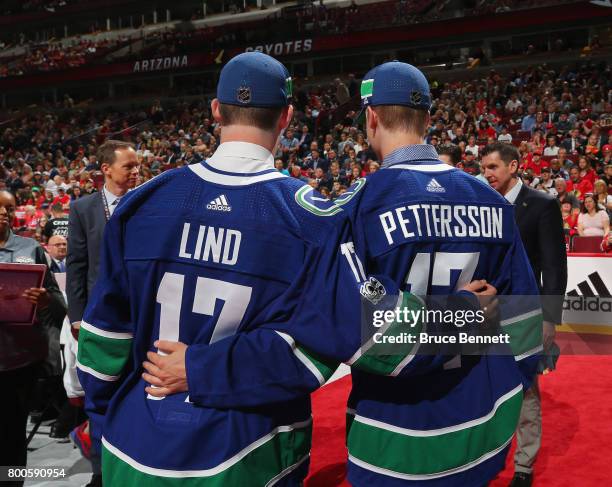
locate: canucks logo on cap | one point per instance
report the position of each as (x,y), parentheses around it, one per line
(243,94)
(367,90)
(416,97)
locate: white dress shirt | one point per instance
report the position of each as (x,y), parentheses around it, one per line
(513,193)
(111,200)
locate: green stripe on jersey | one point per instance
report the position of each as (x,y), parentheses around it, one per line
(411,453)
(104,355)
(326,367)
(278,456)
(374,359)
(525,334)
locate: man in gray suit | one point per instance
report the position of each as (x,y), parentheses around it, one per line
(87,219)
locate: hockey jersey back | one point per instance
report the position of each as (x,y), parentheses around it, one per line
(197,255)
(432,229)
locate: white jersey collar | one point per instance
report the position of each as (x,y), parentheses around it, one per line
(241,158)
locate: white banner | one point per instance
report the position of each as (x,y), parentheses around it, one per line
(588,301)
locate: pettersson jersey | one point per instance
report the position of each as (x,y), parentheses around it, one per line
(432,229)
(241,267)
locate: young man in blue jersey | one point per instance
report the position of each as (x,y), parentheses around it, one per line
(431,228)
(251,270)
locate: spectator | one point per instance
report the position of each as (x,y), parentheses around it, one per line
(471,146)
(288,143)
(297,173)
(529,120)
(551,149)
(315,161)
(537,163)
(557,171)
(278,164)
(574,144)
(545,182)
(564,162)
(593,145)
(57,249)
(62,198)
(593,222)
(505,136)
(607,176)
(470,165)
(449,154)
(564,196)
(578,186)
(342,92)
(586,171)
(570,219)
(603,199)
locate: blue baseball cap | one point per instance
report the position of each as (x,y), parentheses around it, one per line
(396,83)
(254,79)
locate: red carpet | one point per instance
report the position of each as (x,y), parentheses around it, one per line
(577,428)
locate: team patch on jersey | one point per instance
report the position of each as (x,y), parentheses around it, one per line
(435,187)
(219,204)
(351,192)
(315,203)
(373,290)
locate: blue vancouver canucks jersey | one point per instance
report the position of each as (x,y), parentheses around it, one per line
(432,229)
(257,275)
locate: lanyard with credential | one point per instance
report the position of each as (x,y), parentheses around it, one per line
(107,213)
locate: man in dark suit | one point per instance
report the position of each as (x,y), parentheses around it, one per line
(574,143)
(539,220)
(87,219)
(315,161)
(57,248)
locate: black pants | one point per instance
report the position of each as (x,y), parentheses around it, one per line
(16,386)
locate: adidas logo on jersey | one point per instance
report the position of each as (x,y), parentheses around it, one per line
(219,204)
(435,187)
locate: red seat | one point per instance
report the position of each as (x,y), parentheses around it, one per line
(587,245)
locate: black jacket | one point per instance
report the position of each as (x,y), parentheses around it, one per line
(539,220)
(85,231)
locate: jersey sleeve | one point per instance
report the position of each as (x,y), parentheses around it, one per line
(332,306)
(106,333)
(520,309)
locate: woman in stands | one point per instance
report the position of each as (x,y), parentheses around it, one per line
(537,140)
(593,222)
(586,171)
(40,227)
(603,199)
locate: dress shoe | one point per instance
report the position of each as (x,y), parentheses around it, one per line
(521,479)
(96,481)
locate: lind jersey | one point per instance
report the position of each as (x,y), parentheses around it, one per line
(197,255)
(432,229)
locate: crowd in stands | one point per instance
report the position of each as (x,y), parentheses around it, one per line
(314,18)
(561,122)
(35,6)
(57,55)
